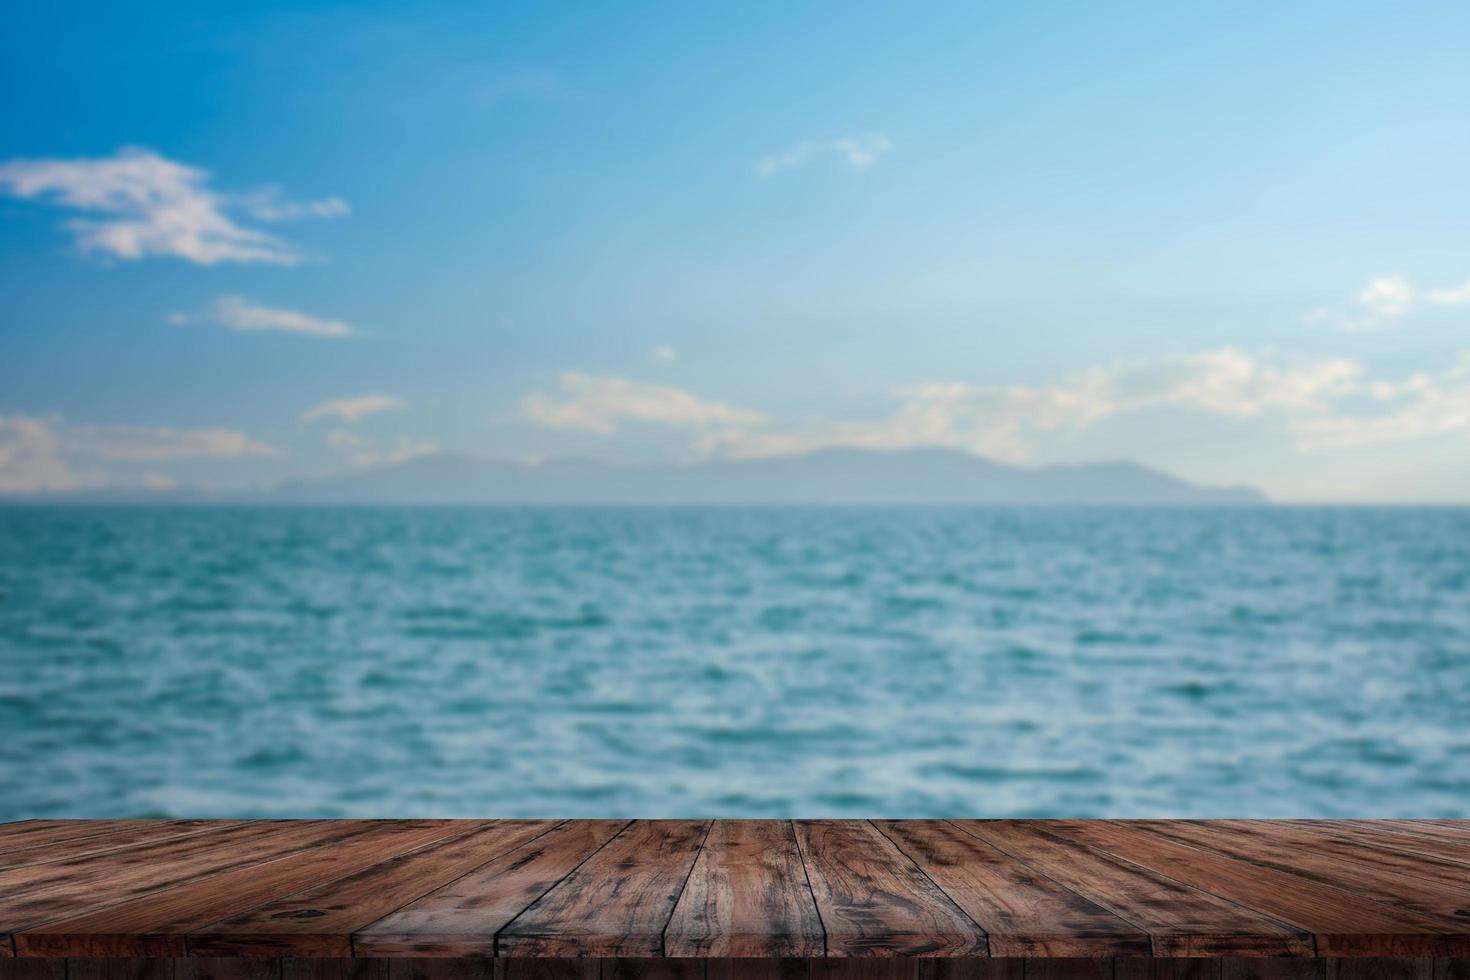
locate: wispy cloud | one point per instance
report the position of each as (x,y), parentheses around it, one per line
(1002,421)
(146,205)
(351,410)
(1386,300)
(270,205)
(665,354)
(858,152)
(239,313)
(365,452)
(1420,406)
(46,453)
(399,452)
(133,443)
(598,403)
(30,457)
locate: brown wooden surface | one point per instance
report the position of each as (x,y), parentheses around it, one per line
(1122,900)
(657,968)
(464,917)
(320,921)
(874,901)
(1180,920)
(618,902)
(747,896)
(1024,912)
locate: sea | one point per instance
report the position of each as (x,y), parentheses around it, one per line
(735,662)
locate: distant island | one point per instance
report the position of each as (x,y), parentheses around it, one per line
(830,476)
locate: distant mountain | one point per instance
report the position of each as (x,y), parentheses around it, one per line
(829,476)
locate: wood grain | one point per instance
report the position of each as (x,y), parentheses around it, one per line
(320,921)
(1024,912)
(874,901)
(962,900)
(1343,922)
(1360,843)
(136,833)
(463,917)
(747,896)
(618,902)
(32,895)
(1181,920)
(157,924)
(1433,893)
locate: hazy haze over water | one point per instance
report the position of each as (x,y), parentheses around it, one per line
(734,662)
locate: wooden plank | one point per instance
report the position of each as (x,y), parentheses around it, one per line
(157,924)
(1343,922)
(1023,912)
(1456,969)
(966,968)
(1167,968)
(320,921)
(1434,894)
(462,918)
(872,968)
(1181,920)
(411,968)
(34,833)
(1071,968)
(747,896)
(1270,968)
(228,968)
(874,901)
(1422,857)
(550,969)
(618,902)
(1417,841)
(33,895)
(1380,969)
(32,969)
(1455,834)
(645,968)
(134,833)
(114,968)
(758,969)
(332,968)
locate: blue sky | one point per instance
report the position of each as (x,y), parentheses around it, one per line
(240,243)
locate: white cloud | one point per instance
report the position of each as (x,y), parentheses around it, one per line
(47,454)
(1000,421)
(597,403)
(665,354)
(145,205)
(269,205)
(353,409)
(1385,300)
(858,152)
(401,452)
(30,457)
(135,443)
(1387,297)
(345,439)
(861,152)
(238,313)
(1453,296)
(1418,407)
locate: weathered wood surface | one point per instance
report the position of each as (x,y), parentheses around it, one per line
(658,968)
(428,899)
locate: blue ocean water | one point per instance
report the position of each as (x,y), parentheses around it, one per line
(735,662)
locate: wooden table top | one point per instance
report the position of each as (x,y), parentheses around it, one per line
(734,888)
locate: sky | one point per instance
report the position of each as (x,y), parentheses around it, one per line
(245,243)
